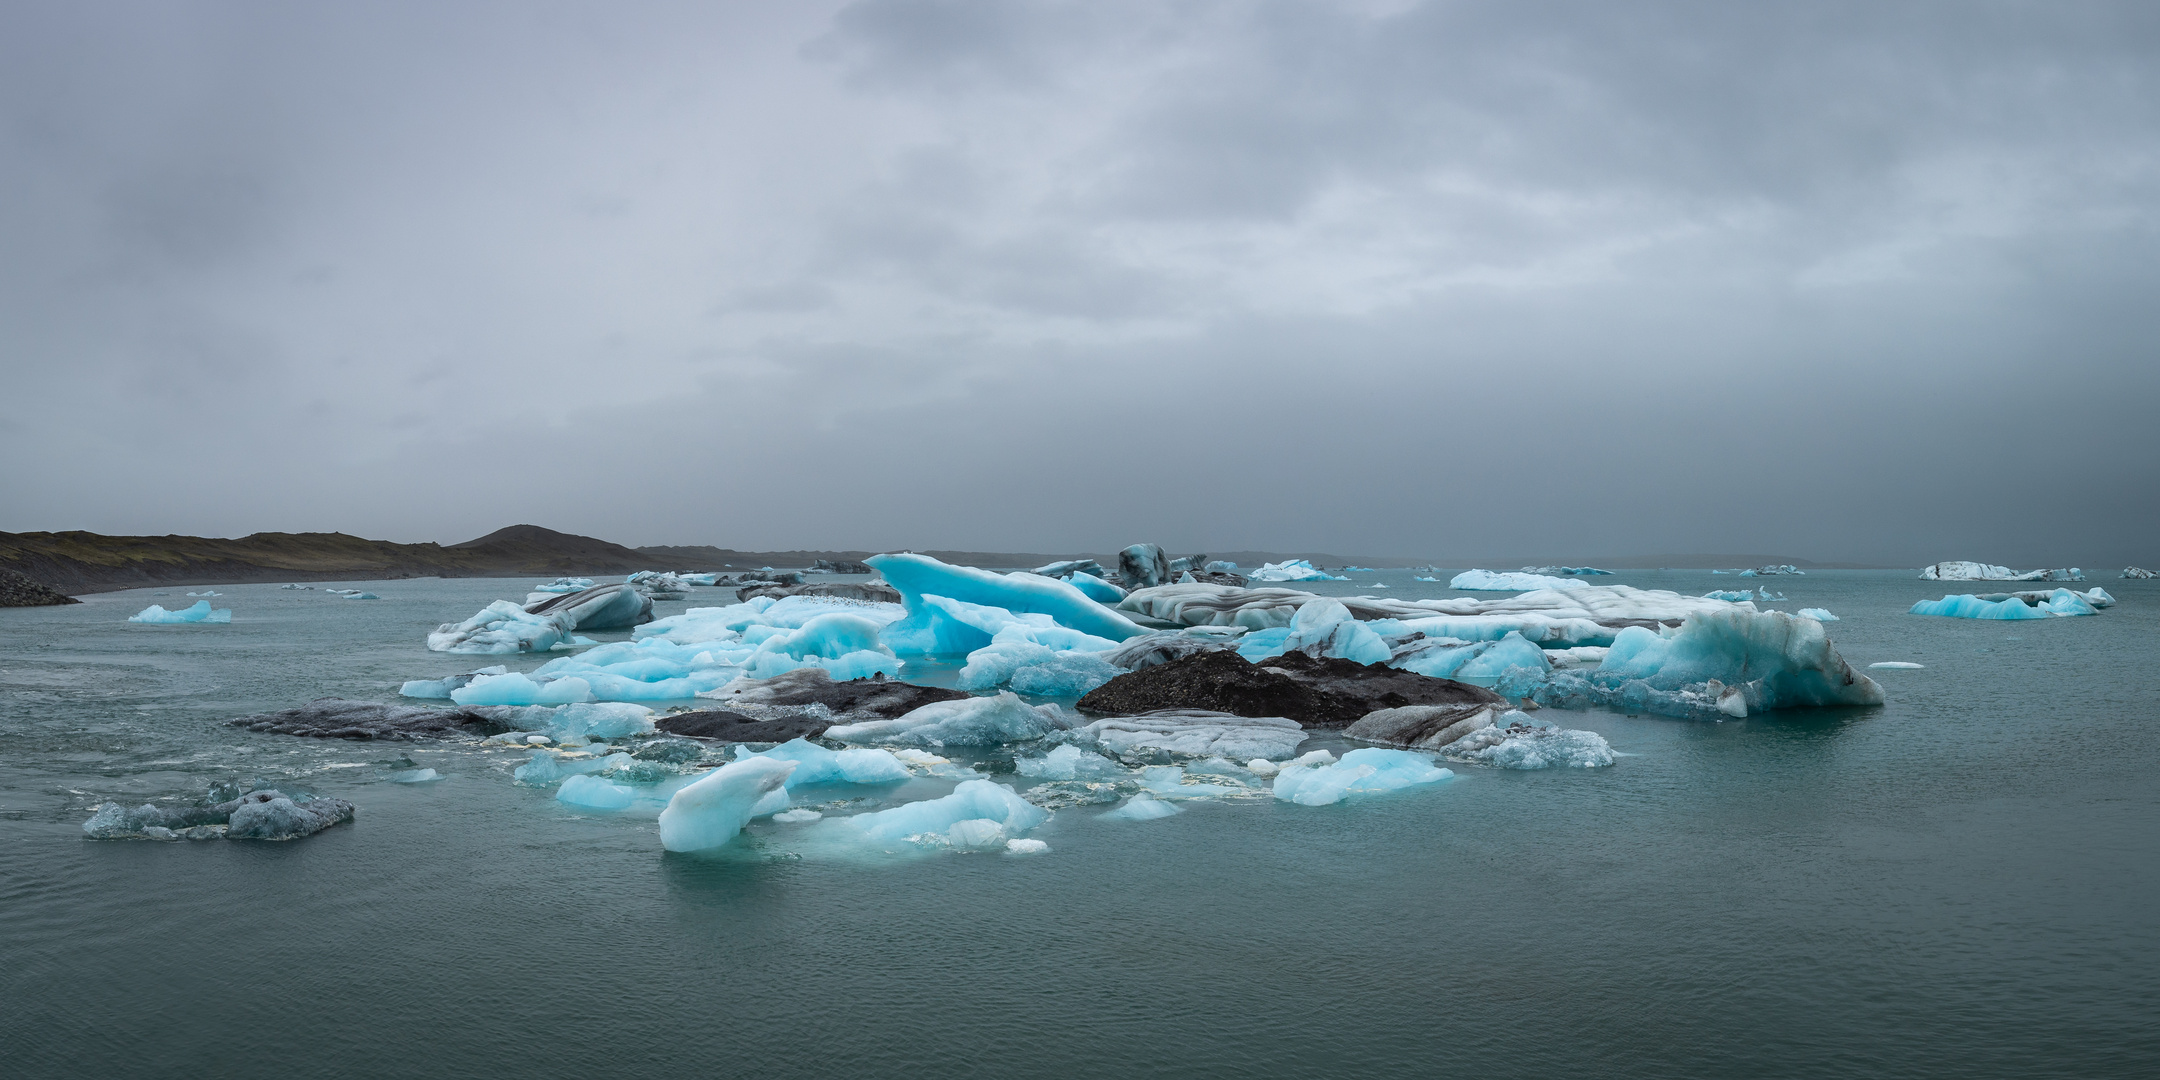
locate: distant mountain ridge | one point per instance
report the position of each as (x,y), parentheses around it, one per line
(83,562)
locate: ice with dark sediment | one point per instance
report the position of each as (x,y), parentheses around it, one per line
(1550,618)
(1194,733)
(502,627)
(980,721)
(257,815)
(2138,573)
(602,607)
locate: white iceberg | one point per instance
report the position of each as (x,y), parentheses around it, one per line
(977,815)
(1367,770)
(1013,662)
(982,721)
(1292,570)
(198,612)
(1196,733)
(1506,581)
(815,764)
(565,585)
(1068,762)
(1817,614)
(502,627)
(1453,658)
(1976,571)
(711,810)
(1517,742)
(1142,807)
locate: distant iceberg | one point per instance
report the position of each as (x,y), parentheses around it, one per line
(2061,602)
(1817,614)
(1507,581)
(2137,572)
(565,585)
(198,612)
(1292,570)
(1565,571)
(1973,571)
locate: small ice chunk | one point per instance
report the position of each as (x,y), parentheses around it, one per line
(1363,771)
(1262,767)
(594,793)
(1898,665)
(817,765)
(981,721)
(1142,807)
(710,810)
(976,834)
(414,776)
(538,740)
(1817,614)
(198,612)
(1024,846)
(1067,763)
(792,817)
(972,800)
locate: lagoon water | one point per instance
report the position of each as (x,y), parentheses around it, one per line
(1965,882)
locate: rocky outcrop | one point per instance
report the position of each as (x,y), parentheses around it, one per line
(19,591)
(875,591)
(337,718)
(720,725)
(1324,694)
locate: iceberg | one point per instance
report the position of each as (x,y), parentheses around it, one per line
(602,607)
(211,592)
(592,793)
(709,811)
(1817,614)
(1566,571)
(815,764)
(439,689)
(1012,662)
(1196,733)
(2061,602)
(979,814)
(659,584)
(502,627)
(1776,660)
(1143,565)
(982,721)
(577,723)
(1898,665)
(1068,762)
(1096,589)
(1367,770)
(1556,618)
(1453,658)
(198,612)
(1975,571)
(565,585)
(1490,581)
(931,630)
(1142,807)
(2136,572)
(1292,570)
(1163,646)
(257,815)
(517,688)
(1517,742)
(1070,567)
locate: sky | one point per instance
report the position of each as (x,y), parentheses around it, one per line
(1841,281)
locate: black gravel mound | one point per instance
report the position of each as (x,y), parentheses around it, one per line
(1325,694)
(336,718)
(19,591)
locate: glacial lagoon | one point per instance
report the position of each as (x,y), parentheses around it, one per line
(1957,882)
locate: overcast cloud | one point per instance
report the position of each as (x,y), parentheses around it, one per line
(1843,281)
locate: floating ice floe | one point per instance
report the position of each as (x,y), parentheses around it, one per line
(1142,807)
(1292,570)
(1515,741)
(660,584)
(1365,771)
(1068,762)
(211,593)
(1974,571)
(439,689)
(982,721)
(1738,596)
(1817,614)
(2028,605)
(1580,615)
(1453,658)
(2136,572)
(565,585)
(1014,661)
(1898,665)
(815,764)
(1567,571)
(502,627)
(979,815)
(1195,733)
(1321,627)
(1507,581)
(711,810)
(257,815)
(198,612)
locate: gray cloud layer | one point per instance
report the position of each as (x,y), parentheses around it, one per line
(1838,280)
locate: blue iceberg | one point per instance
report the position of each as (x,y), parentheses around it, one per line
(1508,581)
(1365,771)
(978,815)
(198,612)
(1292,570)
(711,810)
(932,630)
